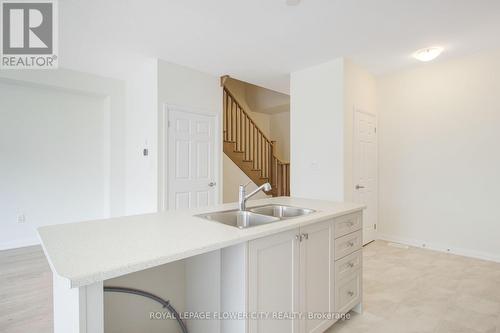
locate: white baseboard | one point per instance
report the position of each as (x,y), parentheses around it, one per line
(19,243)
(439,247)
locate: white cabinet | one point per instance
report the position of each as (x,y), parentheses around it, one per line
(273,282)
(348,263)
(316,277)
(292,272)
(314,271)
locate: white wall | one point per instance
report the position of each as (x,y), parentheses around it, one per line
(190,90)
(439,162)
(323,101)
(54,163)
(61,151)
(359,95)
(317,131)
(279,124)
(141,133)
(233,178)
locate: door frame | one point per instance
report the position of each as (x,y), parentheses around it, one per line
(354,179)
(163,134)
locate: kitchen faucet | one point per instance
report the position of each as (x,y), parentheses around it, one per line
(243,197)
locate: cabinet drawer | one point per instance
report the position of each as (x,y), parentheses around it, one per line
(348,265)
(348,244)
(346,224)
(348,292)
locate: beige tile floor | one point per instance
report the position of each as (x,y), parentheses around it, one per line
(416,290)
(405,290)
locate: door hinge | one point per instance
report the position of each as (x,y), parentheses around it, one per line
(375,226)
(168,123)
(375,129)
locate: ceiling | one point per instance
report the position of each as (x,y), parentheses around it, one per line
(262,41)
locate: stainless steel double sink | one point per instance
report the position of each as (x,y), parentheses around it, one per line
(256,216)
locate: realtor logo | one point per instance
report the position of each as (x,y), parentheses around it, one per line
(29,34)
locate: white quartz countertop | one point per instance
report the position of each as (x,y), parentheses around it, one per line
(93,251)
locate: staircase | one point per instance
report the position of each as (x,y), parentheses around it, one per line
(251,150)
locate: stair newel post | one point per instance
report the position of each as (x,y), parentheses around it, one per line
(253,146)
(264,156)
(280,179)
(231,120)
(272,179)
(247,149)
(268,161)
(242,131)
(248,137)
(259,156)
(224,116)
(259,147)
(238,141)
(287,179)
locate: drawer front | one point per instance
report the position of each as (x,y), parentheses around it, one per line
(348,265)
(347,224)
(348,244)
(348,292)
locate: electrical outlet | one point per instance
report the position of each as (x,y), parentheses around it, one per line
(21,218)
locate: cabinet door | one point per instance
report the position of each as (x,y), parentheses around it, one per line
(317,277)
(273,282)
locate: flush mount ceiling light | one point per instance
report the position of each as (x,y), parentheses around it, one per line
(428,54)
(292,2)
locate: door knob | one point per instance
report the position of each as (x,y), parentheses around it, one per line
(212,184)
(359,187)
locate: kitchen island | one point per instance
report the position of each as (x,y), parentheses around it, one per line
(83,255)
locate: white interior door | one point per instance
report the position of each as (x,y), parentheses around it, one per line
(191,160)
(365,170)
